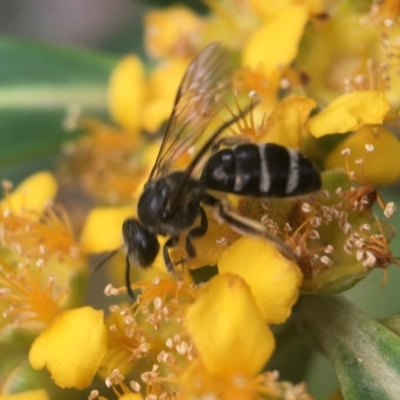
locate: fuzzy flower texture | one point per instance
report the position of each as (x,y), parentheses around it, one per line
(327,78)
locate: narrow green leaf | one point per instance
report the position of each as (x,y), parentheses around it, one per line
(365,354)
(196,5)
(38,84)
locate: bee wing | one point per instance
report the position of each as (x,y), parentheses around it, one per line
(197,101)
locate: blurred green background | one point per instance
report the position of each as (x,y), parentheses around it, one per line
(39,83)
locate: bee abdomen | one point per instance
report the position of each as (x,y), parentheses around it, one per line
(261,170)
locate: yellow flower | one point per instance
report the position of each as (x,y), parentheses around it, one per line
(162,86)
(125,344)
(173,32)
(40,257)
(230,22)
(126,93)
(26,299)
(119,388)
(265,71)
(136,102)
(102,229)
(110,163)
(215,322)
(230,358)
(350,112)
(286,124)
(375,150)
(72,347)
(282,48)
(32,195)
(274,280)
(335,52)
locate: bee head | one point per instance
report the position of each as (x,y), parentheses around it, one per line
(141,244)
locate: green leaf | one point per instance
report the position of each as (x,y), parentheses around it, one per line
(196,5)
(365,353)
(38,84)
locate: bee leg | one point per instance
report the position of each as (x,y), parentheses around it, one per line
(171,242)
(196,232)
(247,226)
(210,200)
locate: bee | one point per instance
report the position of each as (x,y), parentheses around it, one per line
(173,201)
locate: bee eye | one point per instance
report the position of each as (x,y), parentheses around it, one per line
(130,229)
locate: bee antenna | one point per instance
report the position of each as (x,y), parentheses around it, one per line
(105,259)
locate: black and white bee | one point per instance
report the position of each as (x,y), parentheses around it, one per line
(173,201)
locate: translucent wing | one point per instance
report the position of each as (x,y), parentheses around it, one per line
(197,102)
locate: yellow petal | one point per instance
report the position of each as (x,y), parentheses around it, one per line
(32,194)
(126,92)
(268,9)
(195,382)
(350,112)
(275,44)
(227,328)
(102,229)
(286,123)
(72,347)
(166,77)
(174,31)
(381,166)
(163,85)
(273,279)
(155,113)
(39,394)
(336,49)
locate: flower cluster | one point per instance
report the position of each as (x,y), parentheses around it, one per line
(326,78)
